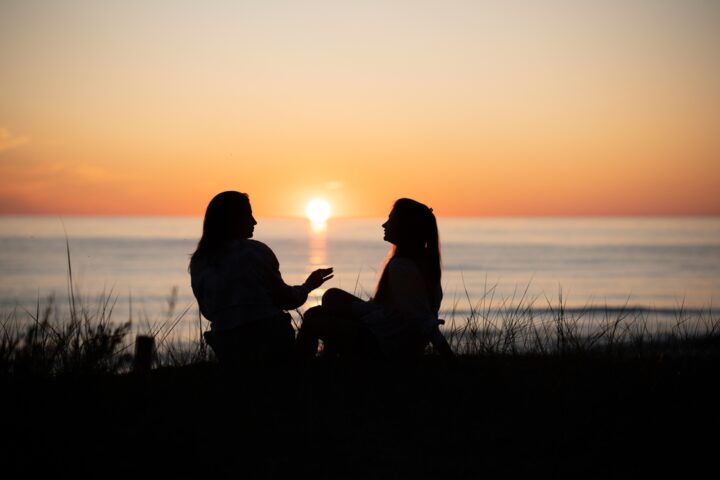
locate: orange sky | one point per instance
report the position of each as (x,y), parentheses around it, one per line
(475,108)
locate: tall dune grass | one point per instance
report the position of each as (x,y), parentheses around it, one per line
(513,325)
(85,339)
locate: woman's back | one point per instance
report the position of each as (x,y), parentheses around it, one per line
(407,312)
(234,286)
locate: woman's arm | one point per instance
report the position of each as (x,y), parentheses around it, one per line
(286,296)
(440,343)
(283,295)
(289,297)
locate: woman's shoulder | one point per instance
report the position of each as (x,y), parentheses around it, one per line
(400,266)
(233,254)
(247,245)
(253,244)
(259,250)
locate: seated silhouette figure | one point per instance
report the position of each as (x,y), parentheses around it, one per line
(239,288)
(402,317)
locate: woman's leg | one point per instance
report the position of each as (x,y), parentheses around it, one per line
(339,302)
(309,332)
(338,332)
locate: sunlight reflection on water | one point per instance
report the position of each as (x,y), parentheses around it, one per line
(317,257)
(642,262)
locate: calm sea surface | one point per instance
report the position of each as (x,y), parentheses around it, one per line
(654,264)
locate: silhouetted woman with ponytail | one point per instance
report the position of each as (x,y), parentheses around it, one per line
(239,289)
(402,317)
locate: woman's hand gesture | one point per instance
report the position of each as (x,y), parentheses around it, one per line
(317,278)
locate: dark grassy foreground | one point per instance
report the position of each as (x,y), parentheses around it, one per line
(494,416)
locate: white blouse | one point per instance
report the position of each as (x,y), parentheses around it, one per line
(242,286)
(407,309)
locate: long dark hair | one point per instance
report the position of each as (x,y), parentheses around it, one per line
(418,240)
(223,218)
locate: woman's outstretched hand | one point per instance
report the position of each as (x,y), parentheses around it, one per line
(318,277)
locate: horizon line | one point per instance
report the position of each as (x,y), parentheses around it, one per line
(361,217)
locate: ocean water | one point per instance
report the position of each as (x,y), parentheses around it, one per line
(599,264)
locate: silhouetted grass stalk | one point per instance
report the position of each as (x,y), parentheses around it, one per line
(85,340)
(512,326)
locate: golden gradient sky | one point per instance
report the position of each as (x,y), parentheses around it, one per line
(475,108)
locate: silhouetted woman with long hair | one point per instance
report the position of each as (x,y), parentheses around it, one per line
(402,317)
(239,288)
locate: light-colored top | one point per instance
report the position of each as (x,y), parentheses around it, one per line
(407,309)
(242,286)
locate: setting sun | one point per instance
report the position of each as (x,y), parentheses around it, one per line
(318,211)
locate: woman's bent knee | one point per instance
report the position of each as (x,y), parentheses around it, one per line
(332,295)
(339,302)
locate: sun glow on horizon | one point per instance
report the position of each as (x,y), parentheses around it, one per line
(318,211)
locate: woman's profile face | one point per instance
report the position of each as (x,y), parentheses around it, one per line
(246,224)
(391,228)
